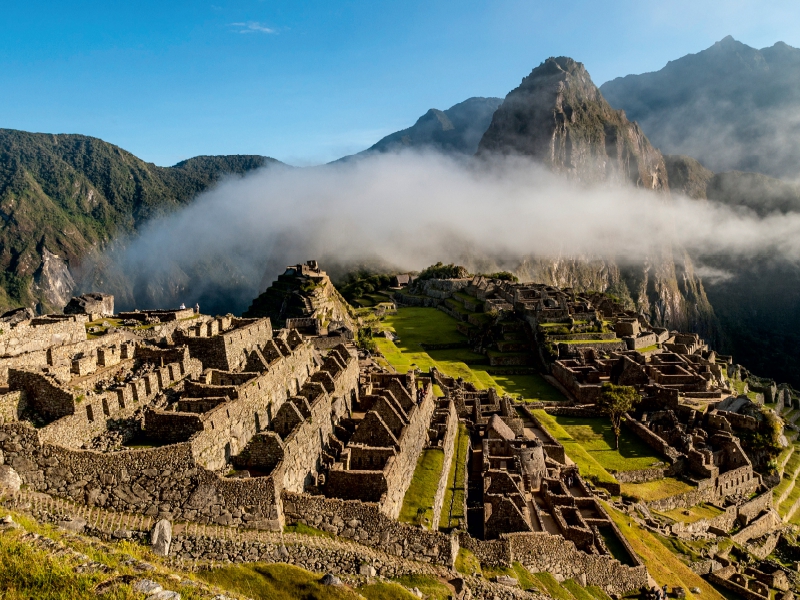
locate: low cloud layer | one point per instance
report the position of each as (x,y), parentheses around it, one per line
(410,210)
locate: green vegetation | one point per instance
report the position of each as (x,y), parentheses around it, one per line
(502,276)
(415,326)
(648,348)
(525,578)
(597,592)
(701,511)
(274,581)
(655,490)
(365,341)
(430,586)
(663,565)
(574,588)
(441,271)
(359,287)
(597,438)
(549,585)
(467,563)
(453,505)
(304,529)
(418,501)
(615,401)
(587,465)
(31,572)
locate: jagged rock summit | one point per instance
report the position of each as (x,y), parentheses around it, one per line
(558,116)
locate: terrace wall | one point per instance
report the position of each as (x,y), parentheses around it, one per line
(448,445)
(367,523)
(227,351)
(163,482)
(539,551)
(42,333)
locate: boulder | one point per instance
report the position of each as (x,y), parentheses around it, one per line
(73,524)
(93,303)
(366,570)
(147,587)
(329,579)
(506,580)
(10,481)
(16,315)
(161,537)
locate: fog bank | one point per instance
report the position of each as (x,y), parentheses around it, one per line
(409,210)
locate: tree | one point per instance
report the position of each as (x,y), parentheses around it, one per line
(615,401)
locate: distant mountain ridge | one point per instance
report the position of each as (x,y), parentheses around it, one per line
(732,107)
(64,196)
(456,130)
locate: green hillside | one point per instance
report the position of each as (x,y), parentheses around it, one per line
(69,194)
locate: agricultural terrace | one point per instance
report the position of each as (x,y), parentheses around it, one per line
(417,326)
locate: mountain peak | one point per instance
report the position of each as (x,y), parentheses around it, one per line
(730,106)
(558,116)
(456,130)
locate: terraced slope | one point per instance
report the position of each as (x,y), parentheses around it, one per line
(786,495)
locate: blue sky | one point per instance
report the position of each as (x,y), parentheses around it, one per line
(308,82)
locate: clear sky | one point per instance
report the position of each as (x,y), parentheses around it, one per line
(308,82)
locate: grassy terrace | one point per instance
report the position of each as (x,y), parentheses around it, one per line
(418,501)
(662,564)
(416,325)
(587,465)
(453,505)
(597,437)
(701,511)
(656,490)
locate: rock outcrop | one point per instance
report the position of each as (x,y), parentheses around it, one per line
(93,303)
(558,117)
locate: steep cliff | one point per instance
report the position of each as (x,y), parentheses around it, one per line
(558,117)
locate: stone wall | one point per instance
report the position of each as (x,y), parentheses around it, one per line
(399,470)
(651,439)
(368,524)
(42,333)
(56,355)
(734,482)
(92,411)
(228,350)
(448,446)
(163,482)
(228,430)
(641,475)
(541,551)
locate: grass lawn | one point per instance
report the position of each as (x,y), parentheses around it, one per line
(574,588)
(597,437)
(418,501)
(656,490)
(287,582)
(701,511)
(526,579)
(417,325)
(664,567)
(787,504)
(587,465)
(551,587)
(430,586)
(453,505)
